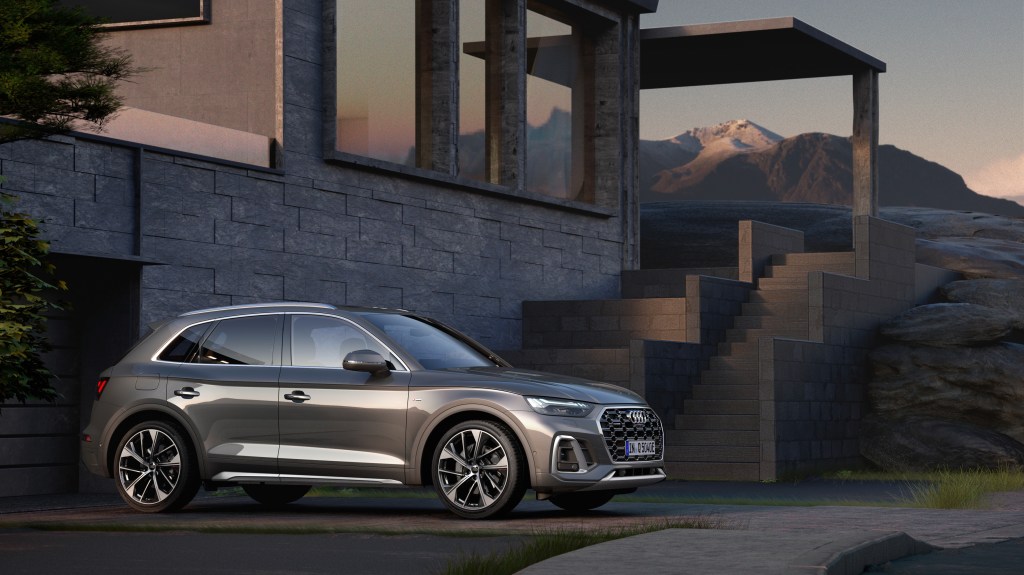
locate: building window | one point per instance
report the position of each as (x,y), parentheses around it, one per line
(472,90)
(499,92)
(376,80)
(135,14)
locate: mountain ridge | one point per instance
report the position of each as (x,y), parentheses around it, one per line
(812,167)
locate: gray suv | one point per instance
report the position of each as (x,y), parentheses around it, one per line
(281,397)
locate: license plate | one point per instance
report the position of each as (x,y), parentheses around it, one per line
(639,448)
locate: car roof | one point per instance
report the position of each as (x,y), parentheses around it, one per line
(284,306)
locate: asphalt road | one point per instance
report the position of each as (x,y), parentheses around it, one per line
(174,553)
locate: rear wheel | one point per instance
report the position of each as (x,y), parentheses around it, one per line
(479,470)
(582,500)
(156,468)
(276,495)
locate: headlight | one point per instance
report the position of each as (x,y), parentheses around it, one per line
(564,407)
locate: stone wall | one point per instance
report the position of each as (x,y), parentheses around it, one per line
(813,392)
(209,232)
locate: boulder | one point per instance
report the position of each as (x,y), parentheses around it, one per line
(974,257)
(1004,295)
(950,324)
(982,386)
(924,444)
(933,223)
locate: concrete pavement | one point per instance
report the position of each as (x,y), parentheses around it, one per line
(752,538)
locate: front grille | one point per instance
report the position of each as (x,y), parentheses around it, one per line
(621,424)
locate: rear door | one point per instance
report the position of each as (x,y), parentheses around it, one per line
(350,424)
(227,387)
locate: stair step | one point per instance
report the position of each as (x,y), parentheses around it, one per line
(753,335)
(814,258)
(770,322)
(776,308)
(724,391)
(721,407)
(732,362)
(783,283)
(705,471)
(700,437)
(729,377)
(802,271)
(718,422)
(712,454)
(790,295)
(737,349)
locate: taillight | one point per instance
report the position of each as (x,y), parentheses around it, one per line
(101,385)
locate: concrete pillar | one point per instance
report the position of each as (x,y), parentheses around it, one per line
(865,143)
(505,107)
(437,85)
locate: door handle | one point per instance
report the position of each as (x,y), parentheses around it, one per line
(186,392)
(297,396)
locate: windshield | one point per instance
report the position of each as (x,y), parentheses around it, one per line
(433,348)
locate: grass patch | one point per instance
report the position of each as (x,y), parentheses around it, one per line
(546,545)
(964,489)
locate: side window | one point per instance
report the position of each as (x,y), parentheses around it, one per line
(319,341)
(183,346)
(242,341)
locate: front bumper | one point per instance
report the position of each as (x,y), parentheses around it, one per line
(580,454)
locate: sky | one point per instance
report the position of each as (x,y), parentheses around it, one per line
(953,92)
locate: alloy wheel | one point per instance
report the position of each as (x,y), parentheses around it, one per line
(149,466)
(473,469)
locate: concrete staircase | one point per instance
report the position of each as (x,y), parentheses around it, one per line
(756,370)
(717,436)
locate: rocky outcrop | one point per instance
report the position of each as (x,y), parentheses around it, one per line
(982,386)
(950,324)
(949,390)
(919,443)
(1005,295)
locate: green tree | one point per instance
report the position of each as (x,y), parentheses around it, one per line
(55,74)
(23,301)
(55,71)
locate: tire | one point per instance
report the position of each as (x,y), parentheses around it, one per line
(156,468)
(479,470)
(276,495)
(581,501)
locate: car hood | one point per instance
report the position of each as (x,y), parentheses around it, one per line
(539,383)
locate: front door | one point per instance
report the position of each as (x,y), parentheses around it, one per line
(335,423)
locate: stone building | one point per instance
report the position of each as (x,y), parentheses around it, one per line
(455,158)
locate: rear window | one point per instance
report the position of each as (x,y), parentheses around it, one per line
(242,341)
(183,347)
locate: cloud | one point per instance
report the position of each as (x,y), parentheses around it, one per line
(1002,178)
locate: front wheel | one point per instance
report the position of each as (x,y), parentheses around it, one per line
(276,495)
(156,468)
(479,470)
(582,500)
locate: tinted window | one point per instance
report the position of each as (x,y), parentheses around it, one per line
(432,347)
(181,348)
(242,341)
(319,341)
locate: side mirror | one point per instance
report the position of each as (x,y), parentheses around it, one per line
(366,360)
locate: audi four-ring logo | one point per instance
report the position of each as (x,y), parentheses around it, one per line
(638,416)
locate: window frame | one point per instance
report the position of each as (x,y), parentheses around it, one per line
(286,356)
(605,205)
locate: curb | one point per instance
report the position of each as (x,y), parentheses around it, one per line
(852,554)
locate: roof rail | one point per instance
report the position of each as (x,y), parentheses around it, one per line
(261,305)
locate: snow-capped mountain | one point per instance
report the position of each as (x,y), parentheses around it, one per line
(740,160)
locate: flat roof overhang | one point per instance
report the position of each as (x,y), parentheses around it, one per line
(744,51)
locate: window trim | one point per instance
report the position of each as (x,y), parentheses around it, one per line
(287,342)
(202,18)
(278,344)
